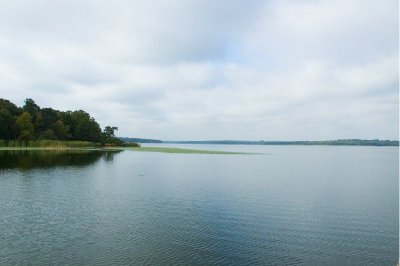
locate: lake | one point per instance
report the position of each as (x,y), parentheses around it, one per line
(287,205)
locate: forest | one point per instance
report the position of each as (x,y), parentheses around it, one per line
(31,122)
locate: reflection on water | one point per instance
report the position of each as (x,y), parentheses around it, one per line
(31,159)
(293,206)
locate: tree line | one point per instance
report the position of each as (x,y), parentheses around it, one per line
(339,142)
(31,122)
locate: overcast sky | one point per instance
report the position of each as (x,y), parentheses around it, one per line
(209,69)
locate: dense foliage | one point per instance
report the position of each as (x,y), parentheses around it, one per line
(31,123)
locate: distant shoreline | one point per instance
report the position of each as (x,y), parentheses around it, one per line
(340,142)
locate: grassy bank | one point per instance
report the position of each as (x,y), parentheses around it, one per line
(180,150)
(86,145)
(60,149)
(56,144)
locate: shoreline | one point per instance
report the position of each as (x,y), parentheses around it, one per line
(116,148)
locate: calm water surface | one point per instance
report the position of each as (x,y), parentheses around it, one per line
(310,205)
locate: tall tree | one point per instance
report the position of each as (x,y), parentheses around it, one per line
(25,127)
(30,106)
(60,130)
(110,131)
(7,125)
(84,127)
(8,115)
(109,136)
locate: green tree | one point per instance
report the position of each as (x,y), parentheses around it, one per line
(25,127)
(109,136)
(8,115)
(44,122)
(39,123)
(110,131)
(50,116)
(84,127)
(31,107)
(60,130)
(9,106)
(7,125)
(33,122)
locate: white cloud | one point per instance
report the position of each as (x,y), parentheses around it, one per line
(302,69)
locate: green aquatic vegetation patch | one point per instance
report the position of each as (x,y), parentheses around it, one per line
(181,150)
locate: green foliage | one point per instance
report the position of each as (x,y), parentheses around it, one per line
(47,134)
(108,137)
(34,123)
(110,131)
(31,107)
(7,124)
(131,144)
(25,127)
(8,116)
(83,127)
(60,130)
(47,144)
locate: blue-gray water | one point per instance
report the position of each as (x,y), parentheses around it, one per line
(311,205)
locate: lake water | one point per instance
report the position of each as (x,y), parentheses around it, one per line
(310,205)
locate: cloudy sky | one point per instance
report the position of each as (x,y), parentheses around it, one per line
(209,69)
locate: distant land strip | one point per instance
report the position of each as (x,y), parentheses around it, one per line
(339,142)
